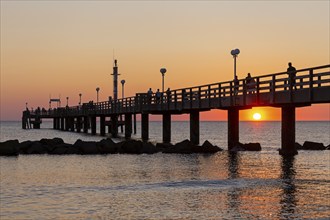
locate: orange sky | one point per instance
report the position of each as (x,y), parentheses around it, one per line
(66,48)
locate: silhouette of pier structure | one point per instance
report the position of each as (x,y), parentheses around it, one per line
(273,90)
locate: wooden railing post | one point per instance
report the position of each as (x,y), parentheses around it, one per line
(244,93)
(258,90)
(231,93)
(209,94)
(219,95)
(191,97)
(175,100)
(272,87)
(311,85)
(319,81)
(199,97)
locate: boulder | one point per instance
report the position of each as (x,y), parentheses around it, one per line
(298,146)
(130,147)
(162,146)
(86,147)
(9,148)
(107,146)
(53,142)
(252,147)
(183,147)
(24,146)
(61,149)
(149,148)
(309,145)
(37,148)
(328,147)
(207,147)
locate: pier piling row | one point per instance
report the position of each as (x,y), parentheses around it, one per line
(273,90)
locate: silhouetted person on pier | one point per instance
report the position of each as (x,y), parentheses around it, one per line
(149,94)
(250,84)
(236,85)
(168,95)
(292,76)
(158,96)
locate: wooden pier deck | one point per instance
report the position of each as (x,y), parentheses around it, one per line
(273,90)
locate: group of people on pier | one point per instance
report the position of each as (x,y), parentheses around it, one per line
(251,83)
(159,95)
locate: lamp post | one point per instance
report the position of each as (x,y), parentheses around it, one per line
(235,53)
(80,98)
(97,94)
(163,71)
(67,101)
(26,105)
(122,88)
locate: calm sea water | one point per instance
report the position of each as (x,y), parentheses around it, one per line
(246,185)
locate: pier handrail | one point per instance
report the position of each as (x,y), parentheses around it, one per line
(269,83)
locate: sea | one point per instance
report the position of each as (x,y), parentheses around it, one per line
(242,185)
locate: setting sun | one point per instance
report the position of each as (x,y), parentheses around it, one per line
(256,116)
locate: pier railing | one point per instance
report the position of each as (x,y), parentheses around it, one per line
(215,95)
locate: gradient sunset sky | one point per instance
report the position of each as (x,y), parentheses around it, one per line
(66,47)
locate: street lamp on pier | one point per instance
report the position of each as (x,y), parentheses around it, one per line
(26,105)
(235,53)
(122,88)
(80,98)
(97,94)
(67,101)
(163,71)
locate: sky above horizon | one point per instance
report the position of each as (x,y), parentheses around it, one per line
(63,48)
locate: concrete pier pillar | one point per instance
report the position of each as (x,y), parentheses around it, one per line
(102,125)
(145,126)
(62,123)
(58,123)
(67,123)
(166,127)
(134,123)
(78,125)
(233,127)
(194,127)
(114,125)
(71,119)
(93,124)
(128,125)
(121,125)
(288,131)
(86,124)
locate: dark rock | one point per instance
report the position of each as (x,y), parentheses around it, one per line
(107,146)
(53,142)
(207,147)
(252,147)
(130,147)
(37,148)
(308,145)
(73,150)
(149,148)
(87,147)
(183,147)
(61,149)
(328,147)
(9,148)
(162,146)
(298,146)
(24,146)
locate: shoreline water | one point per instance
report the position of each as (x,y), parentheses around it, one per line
(244,185)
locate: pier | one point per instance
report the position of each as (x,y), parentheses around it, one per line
(312,86)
